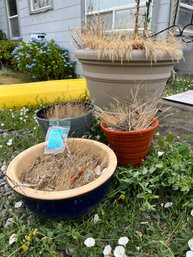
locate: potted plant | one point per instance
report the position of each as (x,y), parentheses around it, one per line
(129,129)
(114,63)
(78,113)
(63,185)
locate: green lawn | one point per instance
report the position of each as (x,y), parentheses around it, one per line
(179,85)
(151,205)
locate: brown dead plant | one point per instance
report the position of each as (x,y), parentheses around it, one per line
(73,168)
(119,45)
(67,110)
(128,114)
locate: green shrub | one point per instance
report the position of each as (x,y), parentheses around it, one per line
(2,35)
(6,48)
(168,168)
(44,60)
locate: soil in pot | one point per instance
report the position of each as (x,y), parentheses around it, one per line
(69,170)
(78,113)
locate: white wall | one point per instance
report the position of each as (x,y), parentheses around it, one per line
(55,23)
(67,14)
(161,14)
(3,18)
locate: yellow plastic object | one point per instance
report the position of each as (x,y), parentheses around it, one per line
(19,95)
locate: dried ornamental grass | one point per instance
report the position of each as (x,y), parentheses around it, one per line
(122,115)
(69,170)
(67,110)
(119,45)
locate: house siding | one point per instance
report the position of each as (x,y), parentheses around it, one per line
(56,23)
(3,18)
(161,14)
(67,14)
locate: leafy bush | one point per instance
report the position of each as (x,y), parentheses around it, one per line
(2,35)
(6,48)
(44,60)
(168,168)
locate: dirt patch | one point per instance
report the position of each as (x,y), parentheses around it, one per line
(8,77)
(4,80)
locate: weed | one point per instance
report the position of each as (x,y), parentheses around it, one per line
(150,206)
(179,85)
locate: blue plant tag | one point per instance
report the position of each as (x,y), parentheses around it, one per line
(56,139)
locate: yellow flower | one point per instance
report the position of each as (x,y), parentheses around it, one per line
(27,238)
(122,197)
(35,231)
(24,247)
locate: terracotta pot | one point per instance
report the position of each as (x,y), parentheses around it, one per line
(106,78)
(130,147)
(68,203)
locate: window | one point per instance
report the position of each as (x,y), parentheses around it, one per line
(13,19)
(116,14)
(185,14)
(40,5)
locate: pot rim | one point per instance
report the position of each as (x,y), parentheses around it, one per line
(60,195)
(134,55)
(65,119)
(138,132)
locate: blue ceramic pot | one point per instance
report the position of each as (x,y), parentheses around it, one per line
(79,125)
(68,203)
(68,208)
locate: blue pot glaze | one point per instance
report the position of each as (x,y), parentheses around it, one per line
(67,208)
(79,125)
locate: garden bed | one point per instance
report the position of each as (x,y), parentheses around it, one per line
(154,226)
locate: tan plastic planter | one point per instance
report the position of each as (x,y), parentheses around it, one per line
(67,203)
(106,78)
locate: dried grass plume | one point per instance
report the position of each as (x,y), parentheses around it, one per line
(119,45)
(67,110)
(128,115)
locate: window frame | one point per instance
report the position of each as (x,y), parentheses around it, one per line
(186,32)
(114,10)
(39,10)
(10,17)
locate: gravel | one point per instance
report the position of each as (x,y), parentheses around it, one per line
(3,168)
(1,174)
(4,188)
